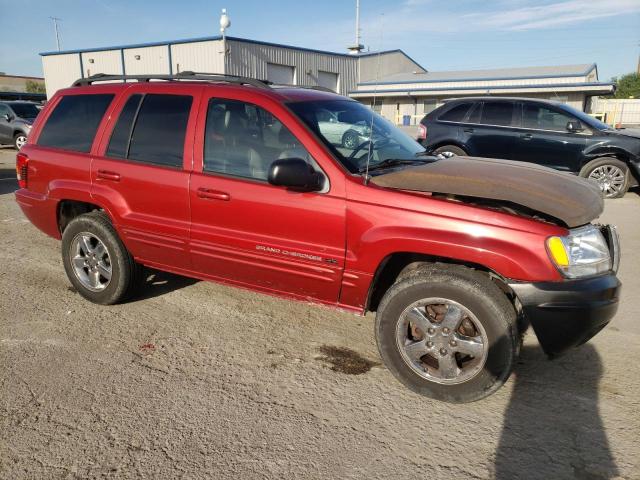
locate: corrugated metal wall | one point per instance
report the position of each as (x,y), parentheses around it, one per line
(151,60)
(250,59)
(198,57)
(373,67)
(106,61)
(60,71)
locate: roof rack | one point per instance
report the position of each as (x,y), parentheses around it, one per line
(187,75)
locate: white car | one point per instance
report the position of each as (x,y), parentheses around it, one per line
(340,131)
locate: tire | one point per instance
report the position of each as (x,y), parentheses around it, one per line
(451,149)
(611,174)
(124,272)
(19,139)
(480,302)
(350,139)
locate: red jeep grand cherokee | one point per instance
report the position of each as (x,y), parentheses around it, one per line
(229,179)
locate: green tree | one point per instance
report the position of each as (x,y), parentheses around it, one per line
(627,86)
(35,87)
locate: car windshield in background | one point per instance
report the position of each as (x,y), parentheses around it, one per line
(25,110)
(353,131)
(584,118)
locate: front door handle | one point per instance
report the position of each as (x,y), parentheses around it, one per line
(108,175)
(526,136)
(209,194)
(467,130)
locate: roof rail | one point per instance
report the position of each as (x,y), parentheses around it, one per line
(188,75)
(290,85)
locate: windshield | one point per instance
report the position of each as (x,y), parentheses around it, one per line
(345,126)
(25,110)
(585,118)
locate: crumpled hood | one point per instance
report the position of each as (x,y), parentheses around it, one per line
(571,199)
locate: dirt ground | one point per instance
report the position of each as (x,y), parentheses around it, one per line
(197,380)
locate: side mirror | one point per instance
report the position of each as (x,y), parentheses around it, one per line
(296,174)
(574,126)
(7,117)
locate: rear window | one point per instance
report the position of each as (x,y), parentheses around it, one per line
(73,123)
(497,113)
(457,113)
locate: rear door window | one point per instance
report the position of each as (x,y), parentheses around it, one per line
(457,113)
(152,129)
(74,122)
(497,113)
(119,143)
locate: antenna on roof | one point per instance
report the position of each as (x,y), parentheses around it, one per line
(55,27)
(358,47)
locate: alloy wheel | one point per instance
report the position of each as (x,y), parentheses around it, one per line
(442,341)
(610,178)
(90,261)
(20,141)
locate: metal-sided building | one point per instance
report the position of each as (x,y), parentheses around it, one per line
(402,88)
(340,72)
(416,94)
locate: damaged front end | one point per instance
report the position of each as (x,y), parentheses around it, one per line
(563,314)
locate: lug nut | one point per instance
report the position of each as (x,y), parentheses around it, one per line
(453,343)
(445,330)
(431,330)
(443,351)
(430,344)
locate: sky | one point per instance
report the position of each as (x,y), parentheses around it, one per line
(440,35)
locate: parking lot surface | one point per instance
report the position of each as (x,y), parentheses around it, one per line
(197,380)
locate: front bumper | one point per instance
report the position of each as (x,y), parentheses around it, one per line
(567,314)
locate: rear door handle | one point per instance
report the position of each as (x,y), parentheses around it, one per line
(107,175)
(467,130)
(209,194)
(526,136)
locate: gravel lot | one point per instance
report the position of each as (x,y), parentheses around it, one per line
(198,380)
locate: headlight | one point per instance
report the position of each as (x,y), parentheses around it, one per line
(582,253)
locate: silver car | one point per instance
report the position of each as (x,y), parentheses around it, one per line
(341,131)
(16,118)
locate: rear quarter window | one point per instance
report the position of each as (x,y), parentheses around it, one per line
(457,113)
(74,122)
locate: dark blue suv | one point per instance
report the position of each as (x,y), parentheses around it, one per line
(539,131)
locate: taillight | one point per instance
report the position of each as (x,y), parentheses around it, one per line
(22,168)
(422,132)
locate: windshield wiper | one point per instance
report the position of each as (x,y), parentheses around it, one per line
(390,162)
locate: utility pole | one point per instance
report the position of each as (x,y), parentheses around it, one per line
(55,27)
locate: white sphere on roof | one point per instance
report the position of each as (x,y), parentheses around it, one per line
(225,21)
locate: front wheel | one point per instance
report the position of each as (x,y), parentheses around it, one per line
(350,139)
(449,333)
(96,261)
(611,175)
(19,140)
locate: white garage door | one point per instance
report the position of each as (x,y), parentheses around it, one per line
(328,80)
(283,74)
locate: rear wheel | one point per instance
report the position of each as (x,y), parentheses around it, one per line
(96,261)
(611,174)
(448,332)
(449,151)
(19,140)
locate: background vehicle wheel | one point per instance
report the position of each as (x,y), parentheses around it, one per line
(350,139)
(96,261)
(449,151)
(611,174)
(448,332)
(19,140)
